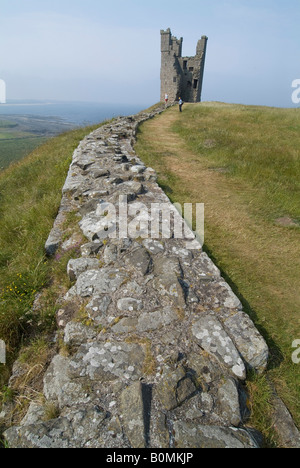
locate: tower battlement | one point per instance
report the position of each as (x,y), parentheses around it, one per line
(181,76)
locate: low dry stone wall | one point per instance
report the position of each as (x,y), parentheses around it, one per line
(161,357)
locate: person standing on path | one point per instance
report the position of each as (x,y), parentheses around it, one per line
(180,104)
(166,99)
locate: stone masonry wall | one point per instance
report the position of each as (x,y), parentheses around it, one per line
(181,76)
(160,360)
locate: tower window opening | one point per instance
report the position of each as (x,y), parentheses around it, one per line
(195,84)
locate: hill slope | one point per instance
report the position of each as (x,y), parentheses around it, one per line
(21,134)
(242,162)
(30,195)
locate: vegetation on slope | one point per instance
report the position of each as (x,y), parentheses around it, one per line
(243,162)
(21,134)
(30,195)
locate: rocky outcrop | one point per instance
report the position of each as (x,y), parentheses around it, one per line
(161,358)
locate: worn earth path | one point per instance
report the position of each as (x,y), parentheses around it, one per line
(233,231)
(159,345)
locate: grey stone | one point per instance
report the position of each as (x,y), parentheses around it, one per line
(206,403)
(248,341)
(139,259)
(137,169)
(150,175)
(72,243)
(229,401)
(175,387)
(99,194)
(116,181)
(127,197)
(85,162)
(154,320)
(98,307)
(89,207)
(211,336)
(73,430)
(110,253)
(55,378)
(153,246)
(36,413)
(132,415)
(129,304)
(126,325)
(96,226)
(160,433)
(53,241)
(43,435)
(97,282)
(231,301)
(79,265)
(206,369)
(187,435)
(91,249)
(284,425)
(132,288)
(167,271)
(101,173)
(135,187)
(84,425)
(77,333)
(73,182)
(108,361)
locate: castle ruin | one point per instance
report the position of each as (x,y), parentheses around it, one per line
(181,76)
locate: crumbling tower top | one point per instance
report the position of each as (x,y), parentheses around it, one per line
(181,76)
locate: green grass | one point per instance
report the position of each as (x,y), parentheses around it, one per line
(15,144)
(243,162)
(7,124)
(30,195)
(14,149)
(259,146)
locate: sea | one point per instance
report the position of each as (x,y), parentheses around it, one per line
(76,113)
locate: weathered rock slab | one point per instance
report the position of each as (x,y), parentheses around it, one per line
(189,436)
(211,336)
(108,361)
(248,341)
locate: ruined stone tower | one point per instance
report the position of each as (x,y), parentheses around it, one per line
(181,76)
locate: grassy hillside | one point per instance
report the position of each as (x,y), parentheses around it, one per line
(14,149)
(243,162)
(20,135)
(30,195)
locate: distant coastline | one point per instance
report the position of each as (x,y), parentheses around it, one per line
(77,113)
(24,125)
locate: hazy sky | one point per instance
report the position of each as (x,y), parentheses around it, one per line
(109,51)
